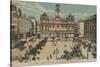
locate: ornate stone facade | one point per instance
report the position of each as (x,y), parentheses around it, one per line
(57,27)
(90,28)
(21,26)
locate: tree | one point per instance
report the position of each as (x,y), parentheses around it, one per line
(67,55)
(33,51)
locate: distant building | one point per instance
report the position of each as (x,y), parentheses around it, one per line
(57,27)
(22,26)
(76,30)
(90,28)
(81,28)
(34,25)
(21,23)
(14,20)
(13,24)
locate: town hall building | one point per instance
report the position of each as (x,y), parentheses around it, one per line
(57,27)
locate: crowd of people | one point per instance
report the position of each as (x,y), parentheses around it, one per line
(76,50)
(32,51)
(77,47)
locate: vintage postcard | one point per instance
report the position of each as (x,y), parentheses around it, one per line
(52,33)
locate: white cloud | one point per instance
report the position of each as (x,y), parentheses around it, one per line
(40,7)
(30,6)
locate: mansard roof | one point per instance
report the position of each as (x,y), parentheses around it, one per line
(70,17)
(44,16)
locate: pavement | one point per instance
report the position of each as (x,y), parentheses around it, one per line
(53,50)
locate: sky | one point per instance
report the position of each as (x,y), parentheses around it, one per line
(37,8)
